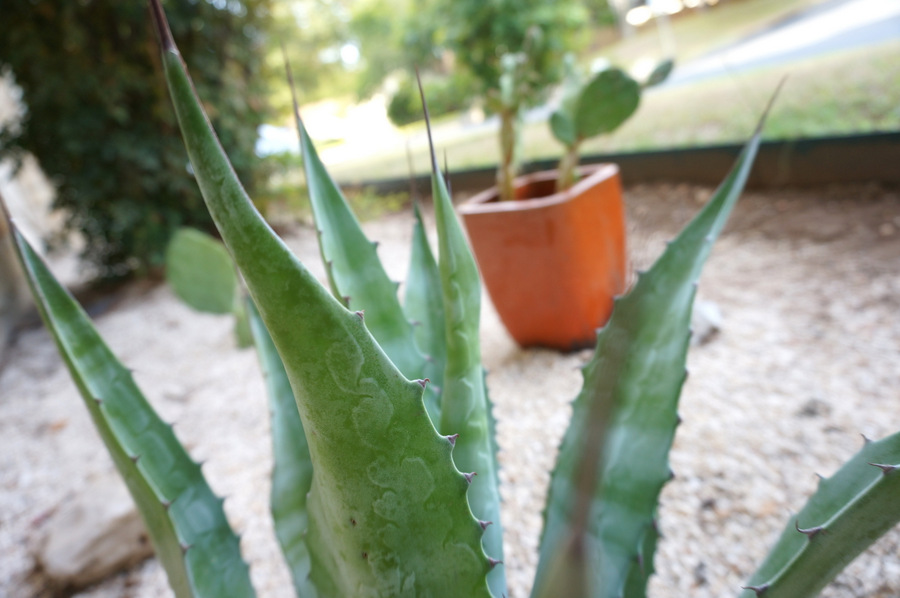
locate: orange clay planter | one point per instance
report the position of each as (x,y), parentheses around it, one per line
(552,263)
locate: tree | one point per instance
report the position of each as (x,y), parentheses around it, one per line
(311,33)
(99,120)
(516,50)
(481,32)
(393,35)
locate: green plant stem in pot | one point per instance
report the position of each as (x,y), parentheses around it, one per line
(514,87)
(593,107)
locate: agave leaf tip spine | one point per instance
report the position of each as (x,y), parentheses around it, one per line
(162,26)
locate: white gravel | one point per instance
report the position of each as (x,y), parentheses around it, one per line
(807,361)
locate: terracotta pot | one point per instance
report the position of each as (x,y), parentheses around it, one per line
(552,262)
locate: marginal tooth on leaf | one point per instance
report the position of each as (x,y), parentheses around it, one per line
(415,323)
(360,313)
(134,458)
(709,238)
(678,419)
(810,532)
(469,476)
(423,382)
(866,439)
(375,244)
(346,300)
(758,590)
(484,524)
(166,504)
(640,562)
(885,469)
(671,475)
(185,548)
(494,562)
(98,400)
(452,439)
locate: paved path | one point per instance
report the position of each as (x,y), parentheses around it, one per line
(835,25)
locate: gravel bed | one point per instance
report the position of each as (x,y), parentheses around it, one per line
(807,361)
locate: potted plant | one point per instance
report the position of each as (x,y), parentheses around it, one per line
(554,257)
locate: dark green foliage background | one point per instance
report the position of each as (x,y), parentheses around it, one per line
(100,122)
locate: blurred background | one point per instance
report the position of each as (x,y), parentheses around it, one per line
(87,129)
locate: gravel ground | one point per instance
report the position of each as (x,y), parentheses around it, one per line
(808,360)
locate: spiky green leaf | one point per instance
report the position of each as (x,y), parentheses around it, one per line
(356,274)
(178,507)
(464,406)
(599,528)
(848,512)
(423,303)
(292,469)
(388,511)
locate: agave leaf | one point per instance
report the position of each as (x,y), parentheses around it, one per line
(606,102)
(599,526)
(242,333)
(387,508)
(464,406)
(177,505)
(292,469)
(200,271)
(356,274)
(425,308)
(848,512)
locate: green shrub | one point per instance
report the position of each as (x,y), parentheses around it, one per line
(445,95)
(106,137)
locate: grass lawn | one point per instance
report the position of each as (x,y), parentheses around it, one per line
(852,91)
